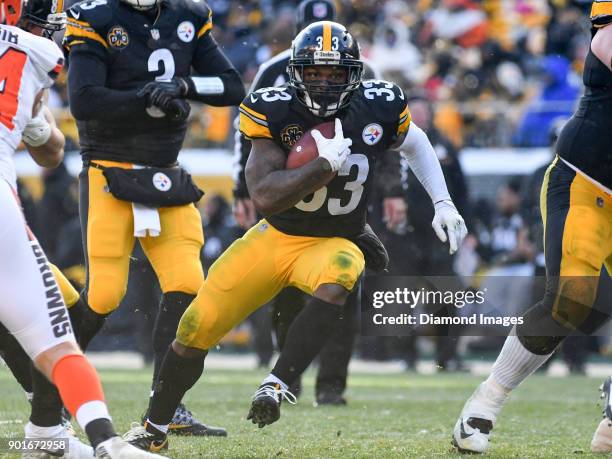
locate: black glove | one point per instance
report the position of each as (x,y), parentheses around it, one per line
(177,109)
(374,252)
(160,93)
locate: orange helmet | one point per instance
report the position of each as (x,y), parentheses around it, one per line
(10,11)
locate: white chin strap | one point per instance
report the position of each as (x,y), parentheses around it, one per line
(142,4)
(315,108)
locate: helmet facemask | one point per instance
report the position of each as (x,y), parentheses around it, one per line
(321,97)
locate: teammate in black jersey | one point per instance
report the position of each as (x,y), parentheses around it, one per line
(129,80)
(306,238)
(576,206)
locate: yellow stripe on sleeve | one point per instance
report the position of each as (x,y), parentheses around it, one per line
(250,111)
(253,130)
(601,9)
(404,121)
(206,27)
(80,32)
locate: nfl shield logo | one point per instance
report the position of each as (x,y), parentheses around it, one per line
(319,10)
(155,34)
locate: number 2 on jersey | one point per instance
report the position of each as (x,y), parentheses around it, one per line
(11,69)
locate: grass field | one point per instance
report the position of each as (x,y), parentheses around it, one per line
(388,416)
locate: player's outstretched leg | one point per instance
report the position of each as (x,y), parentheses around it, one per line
(602,438)
(306,337)
(513,365)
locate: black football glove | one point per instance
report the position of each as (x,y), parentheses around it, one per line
(177,109)
(160,93)
(374,252)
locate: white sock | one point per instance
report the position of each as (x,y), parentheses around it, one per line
(515,363)
(34,431)
(90,411)
(274,380)
(163,428)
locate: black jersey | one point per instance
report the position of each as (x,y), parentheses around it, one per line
(271,73)
(134,48)
(376,116)
(586,140)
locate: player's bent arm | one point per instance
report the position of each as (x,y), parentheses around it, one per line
(601,45)
(423,161)
(44,141)
(273,188)
(217,82)
(90,99)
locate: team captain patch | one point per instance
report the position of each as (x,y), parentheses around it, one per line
(291,134)
(118,37)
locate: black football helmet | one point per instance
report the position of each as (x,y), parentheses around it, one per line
(309,11)
(46,14)
(325,43)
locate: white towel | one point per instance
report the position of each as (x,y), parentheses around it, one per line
(146,220)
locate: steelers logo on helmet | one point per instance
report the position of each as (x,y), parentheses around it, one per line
(325,67)
(372,134)
(118,37)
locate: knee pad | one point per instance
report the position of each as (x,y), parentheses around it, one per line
(104,293)
(540,333)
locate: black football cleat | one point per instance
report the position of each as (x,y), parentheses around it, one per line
(265,406)
(185,423)
(146,437)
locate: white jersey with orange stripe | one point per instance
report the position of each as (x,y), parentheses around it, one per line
(28,64)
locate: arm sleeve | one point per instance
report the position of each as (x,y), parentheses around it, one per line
(424,163)
(216,82)
(90,99)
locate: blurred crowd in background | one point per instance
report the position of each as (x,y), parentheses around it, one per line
(483,74)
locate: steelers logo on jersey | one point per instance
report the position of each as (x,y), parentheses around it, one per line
(372,134)
(185,31)
(291,134)
(118,37)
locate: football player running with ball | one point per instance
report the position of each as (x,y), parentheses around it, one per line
(129,81)
(576,206)
(311,212)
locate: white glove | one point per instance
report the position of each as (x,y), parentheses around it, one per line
(448,218)
(37,131)
(334,150)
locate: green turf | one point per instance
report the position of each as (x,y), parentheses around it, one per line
(388,416)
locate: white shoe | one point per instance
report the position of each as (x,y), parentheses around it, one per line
(473,428)
(602,438)
(117,448)
(76,449)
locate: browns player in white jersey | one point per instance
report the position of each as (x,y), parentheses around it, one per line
(31,305)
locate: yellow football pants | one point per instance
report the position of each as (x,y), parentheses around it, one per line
(108,226)
(69,293)
(254,269)
(577,218)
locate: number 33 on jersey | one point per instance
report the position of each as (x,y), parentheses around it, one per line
(374,119)
(140,48)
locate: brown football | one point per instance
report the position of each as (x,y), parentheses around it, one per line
(305,149)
